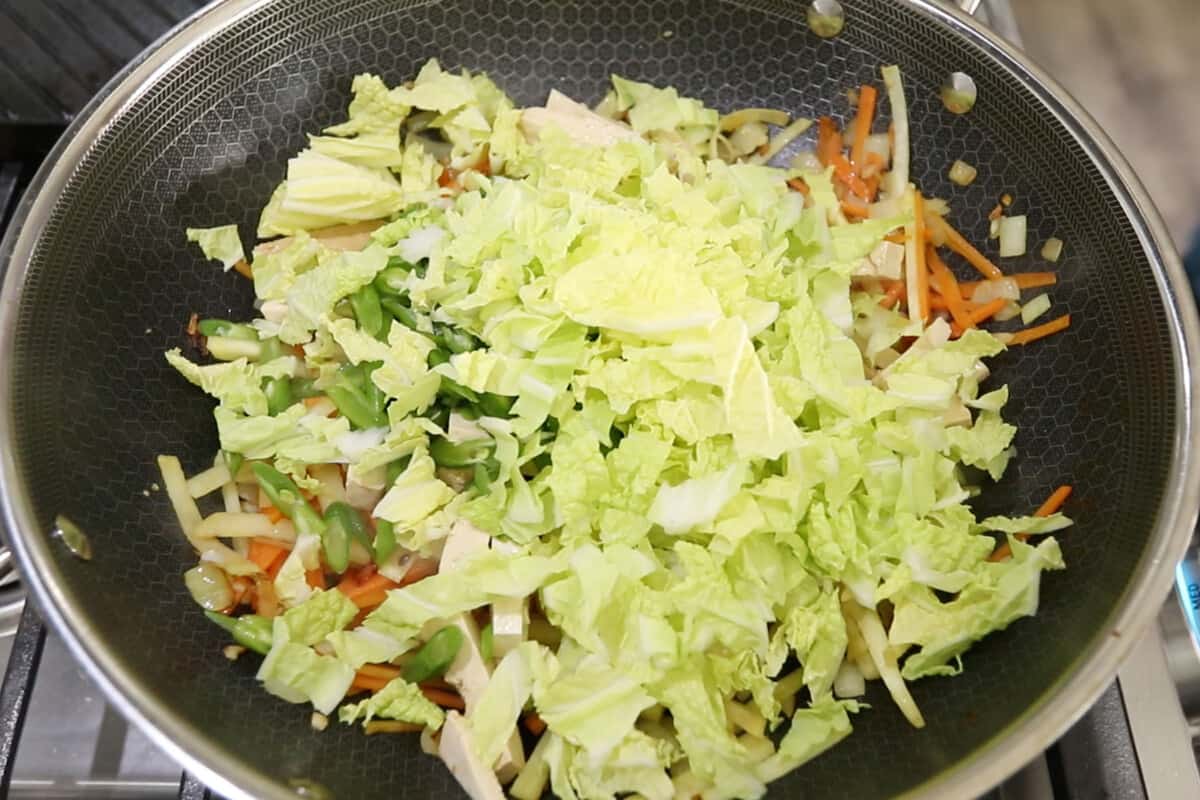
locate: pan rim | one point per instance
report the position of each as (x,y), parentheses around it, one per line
(1008,749)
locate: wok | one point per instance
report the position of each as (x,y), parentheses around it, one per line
(100,281)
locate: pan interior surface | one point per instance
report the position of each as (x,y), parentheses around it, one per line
(112,281)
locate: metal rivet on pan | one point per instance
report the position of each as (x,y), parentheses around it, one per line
(72,537)
(826,18)
(959,92)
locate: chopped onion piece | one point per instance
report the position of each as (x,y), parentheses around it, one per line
(318,721)
(748,138)
(936,206)
(782,140)
(806,161)
(849,681)
(990,290)
(1012,236)
(1052,249)
(744,116)
(1035,308)
(209,587)
(1009,311)
(962,173)
(994,228)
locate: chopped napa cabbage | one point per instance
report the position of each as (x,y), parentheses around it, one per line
(399,700)
(320,615)
(219,244)
(236,384)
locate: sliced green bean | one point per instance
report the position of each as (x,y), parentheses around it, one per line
(279,394)
(249,630)
(440,415)
(455,340)
(355,409)
(455,390)
(494,405)
(223,327)
(437,356)
(271,349)
(233,461)
(435,656)
(396,262)
(385,540)
(460,454)
(343,524)
(391,281)
(367,310)
(400,312)
(286,496)
(304,387)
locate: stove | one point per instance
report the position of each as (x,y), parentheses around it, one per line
(60,738)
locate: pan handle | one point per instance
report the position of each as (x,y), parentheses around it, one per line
(969,6)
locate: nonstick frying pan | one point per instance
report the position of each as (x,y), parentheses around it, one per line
(100,281)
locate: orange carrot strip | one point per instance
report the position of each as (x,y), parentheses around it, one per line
(272,513)
(844,172)
(368,682)
(862,124)
(243,268)
(980,314)
(956,242)
(896,237)
(829,141)
(855,209)
(263,552)
(1027,335)
(1025,280)
(315,578)
(943,278)
(535,724)
(384,671)
(443,698)
(370,592)
(799,185)
(422,568)
(1053,503)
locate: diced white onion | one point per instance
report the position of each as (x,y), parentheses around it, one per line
(1052,249)
(1009,311)
(849,681)
(990,290)
(1012,236)
(209,587)
(962,173)
(1035,308)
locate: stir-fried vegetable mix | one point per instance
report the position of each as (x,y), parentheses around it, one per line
(591,425)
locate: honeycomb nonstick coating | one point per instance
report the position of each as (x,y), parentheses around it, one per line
(113,281)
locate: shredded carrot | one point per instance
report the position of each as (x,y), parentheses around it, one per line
(892,295)
(535,724)
(367,593)
(829,141)
(309,402)
(443,698)
(421,568)
(384,671)
(315,578)
(896,237)
(855,208)
(799,185)
(264,552)
(862,124)
(1027,335)
(873,167)
(956,242)
(944,280)
(980,314)
(377,726)
(437,683)
(921,268)
(1053,503)
(996,213)
(1025,280)
(844,172)
(368,682)
(243,268)
(271,512)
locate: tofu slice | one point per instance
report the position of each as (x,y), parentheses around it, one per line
(455,749)
(470,673)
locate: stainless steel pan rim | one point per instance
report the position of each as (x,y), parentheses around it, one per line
(1007,751)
